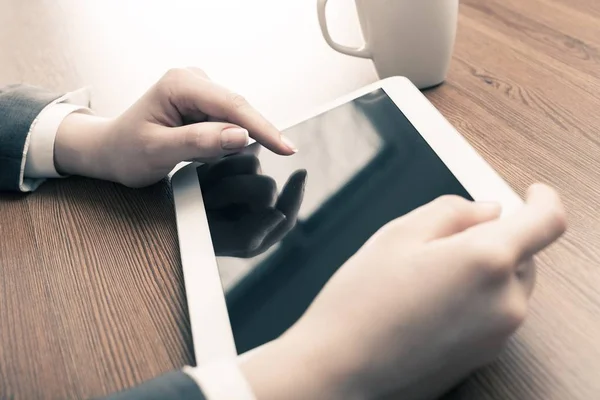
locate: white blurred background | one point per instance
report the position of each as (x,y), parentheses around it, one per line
(271,51)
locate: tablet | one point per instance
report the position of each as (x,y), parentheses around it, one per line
(364,160)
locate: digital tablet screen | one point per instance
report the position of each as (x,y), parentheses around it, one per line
(365,165)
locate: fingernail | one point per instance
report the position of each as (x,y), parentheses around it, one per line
(287,141)
(234,138)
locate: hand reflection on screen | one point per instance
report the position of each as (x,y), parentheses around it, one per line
(245,214)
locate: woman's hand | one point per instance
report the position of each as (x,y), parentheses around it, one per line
(185,116)
(430,298)
(245,214)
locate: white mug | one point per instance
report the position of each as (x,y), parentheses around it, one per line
(411,38)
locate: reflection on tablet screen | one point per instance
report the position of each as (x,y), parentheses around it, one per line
(366,165)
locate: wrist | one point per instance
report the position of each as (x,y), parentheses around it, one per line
(296,369)
(80,144)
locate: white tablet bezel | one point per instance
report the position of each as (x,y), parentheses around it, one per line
(209,321)
(211,330)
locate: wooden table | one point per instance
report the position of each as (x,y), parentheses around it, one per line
(91,291)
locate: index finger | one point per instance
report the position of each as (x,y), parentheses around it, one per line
(219,102)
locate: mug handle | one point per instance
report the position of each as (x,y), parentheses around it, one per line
(362,52)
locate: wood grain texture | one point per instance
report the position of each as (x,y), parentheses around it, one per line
(524,89)
(91,291)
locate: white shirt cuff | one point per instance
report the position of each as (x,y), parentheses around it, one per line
(39,150)
(40,155)
(221,380)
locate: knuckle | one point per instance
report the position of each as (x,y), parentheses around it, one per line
(386,234)
(558,217)
(236,101)
(496,261)
(391,228)
(453,204)
(198,71)
(453,207)
(171,79)
(175,74)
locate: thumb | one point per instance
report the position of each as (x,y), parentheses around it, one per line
(203,140)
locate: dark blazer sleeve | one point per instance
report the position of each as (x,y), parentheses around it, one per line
(175,385)
(19,107)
